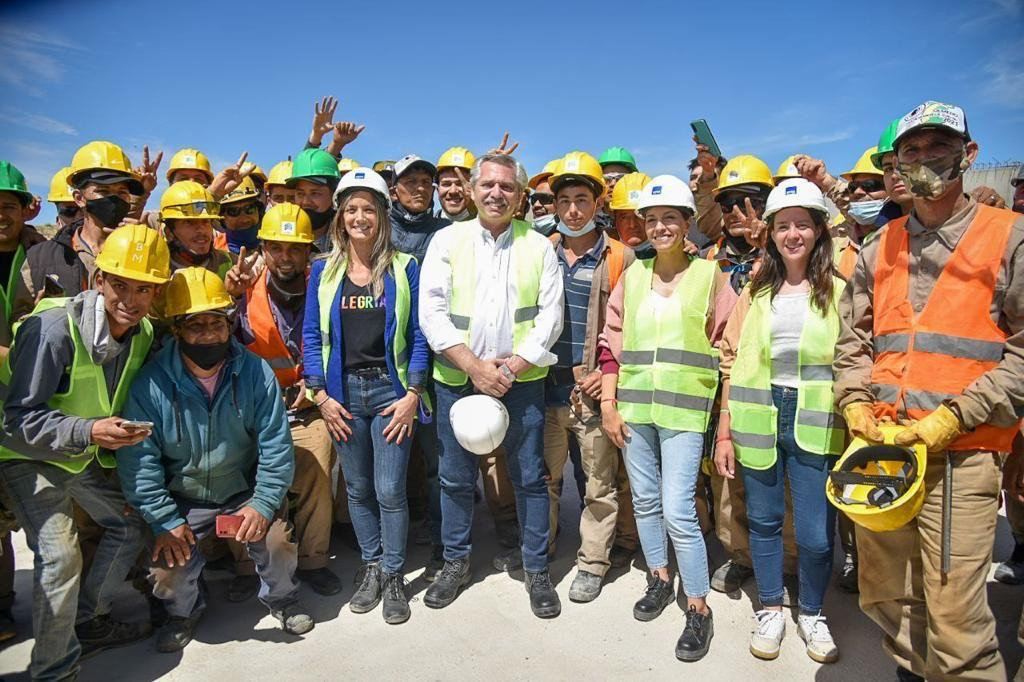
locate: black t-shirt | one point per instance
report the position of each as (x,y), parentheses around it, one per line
(6,261)
(362,326)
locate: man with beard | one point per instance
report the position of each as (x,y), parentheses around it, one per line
(451,191)
(314,177)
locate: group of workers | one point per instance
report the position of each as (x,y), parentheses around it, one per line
(222,380)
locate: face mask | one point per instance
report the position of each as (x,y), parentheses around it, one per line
(932,178)
(545,224)
(206,355)
(239,238)
(320,218)
(569,232)
(108,211)
(865,212)
(464,214)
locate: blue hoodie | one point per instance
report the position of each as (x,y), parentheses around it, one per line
(206,451)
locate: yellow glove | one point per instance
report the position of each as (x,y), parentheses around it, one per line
(861,422)
(936,431)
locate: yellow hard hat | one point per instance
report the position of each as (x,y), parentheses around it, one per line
(787,169)
(99,156)
(548,169)
(864,166)
(188,199)
(196,290)
(578,166)
(280,173)
(286,223)
(879,486)
(345,165)
(188,158)
(135,252)
(246,190)
(627,191)
(456,157)
(59,188)
(257,174)
(744,170)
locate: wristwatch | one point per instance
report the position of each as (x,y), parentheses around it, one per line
(509,374)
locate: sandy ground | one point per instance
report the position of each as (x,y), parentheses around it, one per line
(489,633)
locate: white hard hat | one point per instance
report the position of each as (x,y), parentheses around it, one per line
(795,192)
(479,423)
(666,190)
(362,178)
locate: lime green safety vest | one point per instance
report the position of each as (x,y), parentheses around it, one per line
(754,418)
(87,394)
(528,248)
(668,370)
(7,291)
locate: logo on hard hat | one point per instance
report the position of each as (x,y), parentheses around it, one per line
(791,190)
(360,175)
(188,158)
(287,227)
(656,190)
(458,158)
(634,195)
(572,164)
(733,175)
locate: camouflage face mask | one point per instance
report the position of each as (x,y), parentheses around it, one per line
(932,178)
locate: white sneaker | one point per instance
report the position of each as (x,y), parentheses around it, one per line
(814,631)
(769,629)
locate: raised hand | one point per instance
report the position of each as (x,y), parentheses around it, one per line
(345,132)
(242,275)
(707,161)
(323,119)
(755,230)
(231,177)
(815,171)
(147,171)
(500,149)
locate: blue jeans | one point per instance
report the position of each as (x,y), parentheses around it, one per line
(426,438)
(61,597)
(813,517)
(524,450)
(375,472)
(663,466)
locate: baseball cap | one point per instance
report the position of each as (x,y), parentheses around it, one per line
(933,114)
(410,161)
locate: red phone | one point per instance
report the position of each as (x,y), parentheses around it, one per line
(228,525)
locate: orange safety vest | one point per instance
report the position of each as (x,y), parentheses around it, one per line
(847,261)
(267,342)
(220,240)
(715,249)
(926,358)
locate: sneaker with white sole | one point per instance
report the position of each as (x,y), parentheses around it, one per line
(769,629)
(814,631)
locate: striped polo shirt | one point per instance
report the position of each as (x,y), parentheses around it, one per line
(576,280)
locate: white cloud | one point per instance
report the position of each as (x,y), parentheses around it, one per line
(43,124)
(30,58)
(1004,84)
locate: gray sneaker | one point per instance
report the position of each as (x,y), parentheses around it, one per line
(586,586)
(1011,571)
(293,620)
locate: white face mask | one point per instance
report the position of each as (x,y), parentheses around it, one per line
(464,214)
(865,212)
(569,232)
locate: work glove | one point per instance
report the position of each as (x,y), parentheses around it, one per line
(936,431)
(861,422)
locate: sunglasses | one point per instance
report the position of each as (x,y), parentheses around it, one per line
(68,212)
(198,208)
(542,198)
(868,186)
(235,211)
(612,177)
(728,203)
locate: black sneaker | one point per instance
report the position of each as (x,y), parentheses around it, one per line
(508,560)
(367,594)
(322,580)
(1011,571)
(454,575)
(434,564)
(693,644)
(508,533)
(396,602)
(543,598)
(847,580)
(904,675)
(659,594)
(730,577)
(175,634)
(243,587)
(103,632)
(8,630)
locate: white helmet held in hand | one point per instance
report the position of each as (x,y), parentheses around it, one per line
(479,423)
(666,190)
(795,192)
(362,178)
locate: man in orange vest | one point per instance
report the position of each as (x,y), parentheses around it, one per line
(933,331)
(270,325)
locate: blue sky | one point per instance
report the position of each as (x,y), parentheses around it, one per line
(771,78)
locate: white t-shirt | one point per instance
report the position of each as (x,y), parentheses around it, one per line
(788,314)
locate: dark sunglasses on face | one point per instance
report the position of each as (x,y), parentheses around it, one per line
(542,198)
(235,211)
(70,212)
(740,202)
(868,186)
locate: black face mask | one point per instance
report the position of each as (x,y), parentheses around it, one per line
(108,211)
(320,218)
(206,355)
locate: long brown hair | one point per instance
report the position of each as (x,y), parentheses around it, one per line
(772,272)
(383,251)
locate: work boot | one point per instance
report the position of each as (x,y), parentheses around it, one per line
(693,644)
(367,595)
(790,590)
(620,557)
(508,533)
(1011,571)
(730,577)
(396,602)
(243,587)
(543,598)
(322,580)
(847,580)
(454,575)
(8,630)
(293,619)
(814,631)
(103,632)
(175,634)
(434,563)
(586,586)
(508,560)
(769,631)
(659,594)
(904,675)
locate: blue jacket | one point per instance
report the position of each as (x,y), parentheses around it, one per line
(201,450)
(331,379)
(411,233)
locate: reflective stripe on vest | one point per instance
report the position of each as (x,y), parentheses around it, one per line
(87,394)
(923,359)
(668,373)
(754,417)
(267,342)
(528,264)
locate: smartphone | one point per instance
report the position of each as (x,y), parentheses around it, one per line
(703,134)
(53,288)
(227,525)
(130,425)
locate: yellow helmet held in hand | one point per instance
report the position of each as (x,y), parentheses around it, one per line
(546,172)
(135,252)
(190,159)
(578,166)
(100,155)
(744,170)
(246,190)
(60,191)
(188,200)
(280,173)
(286,223)
(864,166)
(627,191)
(456,157)
(346,165)
(196,290)
(787,169)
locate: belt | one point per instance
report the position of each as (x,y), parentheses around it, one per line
(368,371)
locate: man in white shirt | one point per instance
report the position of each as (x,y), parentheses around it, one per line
(491,308)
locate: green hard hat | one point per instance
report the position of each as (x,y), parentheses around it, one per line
(618,155)
(12,180)
(885,144)
(314,163)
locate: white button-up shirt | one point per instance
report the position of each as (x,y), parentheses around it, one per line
(496,299)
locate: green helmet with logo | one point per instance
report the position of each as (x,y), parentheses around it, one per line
(619,155)
(12,180)
(885,143)
(315,165)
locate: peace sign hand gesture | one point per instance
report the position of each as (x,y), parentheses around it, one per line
(242,275)
(147,171)
(231,177)
(755,230)
(500,149)
(323,118)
